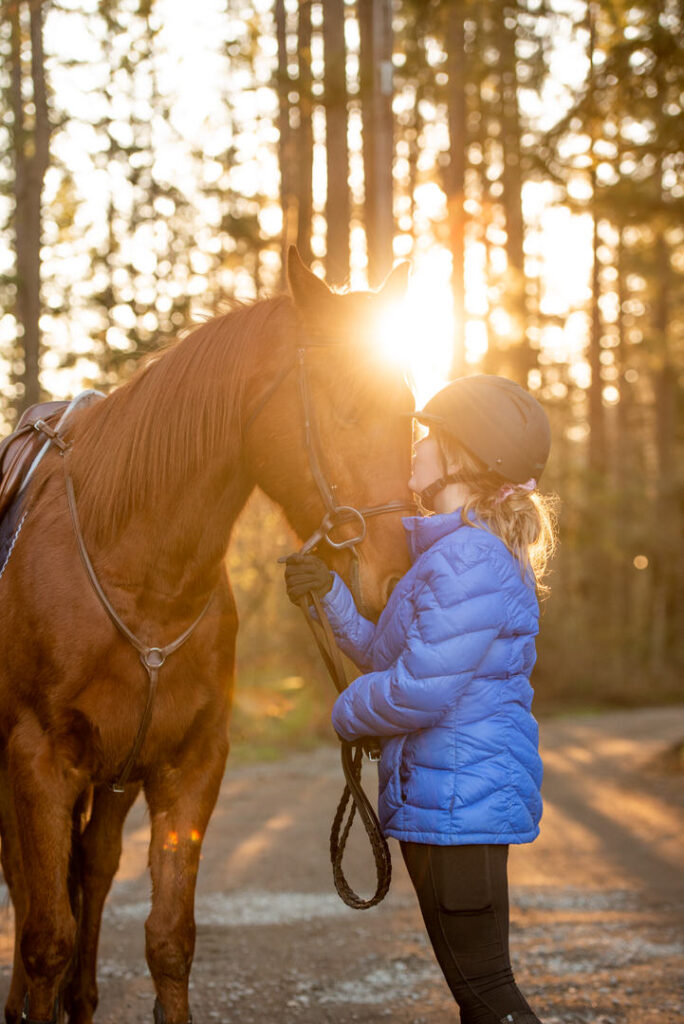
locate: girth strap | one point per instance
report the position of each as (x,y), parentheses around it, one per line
(152,658)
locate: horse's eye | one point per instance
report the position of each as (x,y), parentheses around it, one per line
(348,416)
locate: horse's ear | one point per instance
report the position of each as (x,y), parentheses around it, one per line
(308,291)
(396,282)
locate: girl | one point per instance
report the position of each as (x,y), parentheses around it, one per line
(446,677)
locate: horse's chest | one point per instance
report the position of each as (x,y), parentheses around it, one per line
(181,703)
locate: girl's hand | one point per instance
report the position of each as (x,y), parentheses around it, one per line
(306,573)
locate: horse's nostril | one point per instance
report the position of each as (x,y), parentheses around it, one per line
(390,586)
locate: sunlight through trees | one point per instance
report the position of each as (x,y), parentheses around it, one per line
(157,158)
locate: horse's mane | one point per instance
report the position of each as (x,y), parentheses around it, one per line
(160,426)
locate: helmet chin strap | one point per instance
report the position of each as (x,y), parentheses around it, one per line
(428,495)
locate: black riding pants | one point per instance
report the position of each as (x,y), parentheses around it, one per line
(463,894)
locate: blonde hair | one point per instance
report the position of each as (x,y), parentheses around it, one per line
(526,521)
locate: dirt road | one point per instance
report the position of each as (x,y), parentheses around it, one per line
(597,901)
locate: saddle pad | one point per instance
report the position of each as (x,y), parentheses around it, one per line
(10,523)
(22,450)
(18,451)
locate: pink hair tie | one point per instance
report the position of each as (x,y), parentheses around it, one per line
(508,489)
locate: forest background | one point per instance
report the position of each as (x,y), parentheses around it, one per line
(157,157)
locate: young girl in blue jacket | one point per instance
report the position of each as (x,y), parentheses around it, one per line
(445,680)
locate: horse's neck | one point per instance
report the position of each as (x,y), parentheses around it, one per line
(189,534)
(160,481)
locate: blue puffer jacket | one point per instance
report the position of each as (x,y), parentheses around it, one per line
(447,688)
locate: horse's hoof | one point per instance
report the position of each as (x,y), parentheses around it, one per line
(160,1016)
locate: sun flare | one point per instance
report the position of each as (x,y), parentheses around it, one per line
(418,332)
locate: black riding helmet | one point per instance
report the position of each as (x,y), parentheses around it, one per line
(497,421)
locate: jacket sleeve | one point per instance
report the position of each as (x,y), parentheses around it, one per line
(353,633)
(458,613)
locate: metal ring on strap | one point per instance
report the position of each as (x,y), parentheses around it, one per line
(349,514)
(152,658)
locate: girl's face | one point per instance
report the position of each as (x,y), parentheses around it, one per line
(427,464)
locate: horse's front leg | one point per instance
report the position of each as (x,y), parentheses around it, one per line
(45,786)
(95,861)
(14,877)
(181,799)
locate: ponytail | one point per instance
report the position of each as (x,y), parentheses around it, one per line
(525,520)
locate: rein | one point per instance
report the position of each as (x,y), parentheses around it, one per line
(351,753)
(352,759)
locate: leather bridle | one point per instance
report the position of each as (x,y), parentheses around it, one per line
(336,513)
(353,798)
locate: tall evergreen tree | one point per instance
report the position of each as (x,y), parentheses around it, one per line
(375,24)
(304,135)
(455,174)
(337,206)
(619,135)
(141,243)
(30,145)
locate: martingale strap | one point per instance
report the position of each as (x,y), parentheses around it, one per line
(152,658)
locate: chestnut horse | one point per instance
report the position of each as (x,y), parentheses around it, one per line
(161,469)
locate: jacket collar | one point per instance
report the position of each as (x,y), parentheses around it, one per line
(424,531)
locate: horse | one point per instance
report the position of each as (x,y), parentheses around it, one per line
(139,500)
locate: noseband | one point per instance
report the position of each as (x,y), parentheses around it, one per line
(336,513)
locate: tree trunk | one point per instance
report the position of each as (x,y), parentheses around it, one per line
(365,19)
(285,143)
(337,209)
(597,445)
(666,532)
(375,23)
(304,186)
(455,175)
(512,199)
(31,157)
(621,465)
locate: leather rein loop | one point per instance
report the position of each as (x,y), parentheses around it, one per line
(353,796)
(152,658)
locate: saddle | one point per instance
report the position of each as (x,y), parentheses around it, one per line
(18,451)
(21,450)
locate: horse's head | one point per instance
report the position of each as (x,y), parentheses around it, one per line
(356,449)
